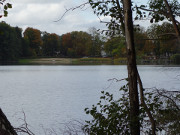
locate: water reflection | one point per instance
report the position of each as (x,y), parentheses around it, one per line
(50,94)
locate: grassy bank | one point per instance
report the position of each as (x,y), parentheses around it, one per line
(93,61)
(66,61)
(46,61)
(89,61)
(25,61)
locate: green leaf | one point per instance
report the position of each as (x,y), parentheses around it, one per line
(5,7)
(5,13)
(9,5)
(142,6)
(136,18)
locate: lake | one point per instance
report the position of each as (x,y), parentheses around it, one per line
(53,95)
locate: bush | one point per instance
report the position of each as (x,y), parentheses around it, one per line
(111,116)
(176,58)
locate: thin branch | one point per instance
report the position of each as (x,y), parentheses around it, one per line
(156,39)
(117,80)
(24,127)
(174,34)
(174,103)
(102,21)
(151,10)
(153,122)
(107,22)
(72,9)
(121,16)
(172,18)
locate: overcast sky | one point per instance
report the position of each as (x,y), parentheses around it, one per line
(41,14)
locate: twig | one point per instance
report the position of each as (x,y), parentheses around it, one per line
(151,10)
(163,95)
(72,9)
(117,79)
(24,127)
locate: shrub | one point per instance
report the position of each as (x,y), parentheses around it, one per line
(176,58)
(111,116)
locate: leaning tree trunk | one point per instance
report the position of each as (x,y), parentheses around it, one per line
(132,70)
(172,18)
(5,125)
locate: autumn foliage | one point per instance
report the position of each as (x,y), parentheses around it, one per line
(149,43)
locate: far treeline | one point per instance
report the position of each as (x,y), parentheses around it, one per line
(33,43)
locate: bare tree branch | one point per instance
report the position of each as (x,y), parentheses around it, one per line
(153,122)
(162,93)
(151,10)
(117,80)
(24,127)
(72,9)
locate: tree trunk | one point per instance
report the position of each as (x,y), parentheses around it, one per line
(153,122)
(5,125)
(132,70)
(171,16)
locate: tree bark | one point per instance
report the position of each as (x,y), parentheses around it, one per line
(132,70)
(5,125)
(171,16)
(153,122)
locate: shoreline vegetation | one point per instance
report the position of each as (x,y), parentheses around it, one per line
(90,61)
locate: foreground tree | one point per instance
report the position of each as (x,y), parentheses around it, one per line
(132,69)
(6,127)
(5,5)
(111,115)
(159,10)
(121,22)
(166,44)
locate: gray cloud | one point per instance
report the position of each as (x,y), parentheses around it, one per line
(41,14)
(38,1)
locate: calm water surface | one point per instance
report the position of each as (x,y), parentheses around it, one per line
(52,95)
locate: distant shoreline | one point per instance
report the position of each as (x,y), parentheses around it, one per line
(90,61)
(86,61)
